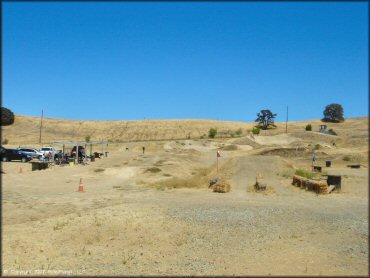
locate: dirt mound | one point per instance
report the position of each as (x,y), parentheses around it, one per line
(247,140)
(280,139)
(286,152)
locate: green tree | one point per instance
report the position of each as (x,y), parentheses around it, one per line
(265,118)
(212,132)
(333,113)
(7,116)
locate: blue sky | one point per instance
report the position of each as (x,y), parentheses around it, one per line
(181,60)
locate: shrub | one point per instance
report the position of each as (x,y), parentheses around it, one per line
(256,130)
(304,173)
(317,146)
(346,158)
(87,138)
(212,132)
(308,127)
(7,116)
(239,132)
(5,141)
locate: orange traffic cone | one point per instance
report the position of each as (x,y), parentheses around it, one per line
(81,186)
(20,170)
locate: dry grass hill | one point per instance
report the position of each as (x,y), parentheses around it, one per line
(26,130)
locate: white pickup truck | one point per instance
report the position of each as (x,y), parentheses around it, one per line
(46,150)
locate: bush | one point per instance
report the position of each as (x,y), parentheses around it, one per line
(7,116)
(87,138)
(317,146)
(239,132)
(346,158)
(5,141)
(212,132)
(308,127)
(256,130)
(304,173)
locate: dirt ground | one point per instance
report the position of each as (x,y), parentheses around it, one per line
(136,218)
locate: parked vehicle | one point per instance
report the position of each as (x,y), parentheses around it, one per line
(32,152)
(46,150)
(12,154)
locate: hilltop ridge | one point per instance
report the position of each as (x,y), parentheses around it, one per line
(26,129)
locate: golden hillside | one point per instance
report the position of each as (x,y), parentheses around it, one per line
(26,129)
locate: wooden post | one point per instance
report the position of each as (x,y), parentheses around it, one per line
(42,115)
(286,123)
(77,154)
(217,155)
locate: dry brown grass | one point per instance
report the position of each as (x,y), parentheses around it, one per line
(230,148)
(200,179)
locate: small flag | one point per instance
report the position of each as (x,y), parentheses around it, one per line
(218,154)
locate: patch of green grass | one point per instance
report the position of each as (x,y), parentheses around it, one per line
(153,170)
(304,173)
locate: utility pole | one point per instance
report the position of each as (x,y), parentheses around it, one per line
(42,115)
(286,123)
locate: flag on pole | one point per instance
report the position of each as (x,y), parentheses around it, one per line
(218,154)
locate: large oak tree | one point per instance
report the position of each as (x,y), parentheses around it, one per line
(265,118)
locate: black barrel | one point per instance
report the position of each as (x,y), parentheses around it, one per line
(328,163)
(336,181)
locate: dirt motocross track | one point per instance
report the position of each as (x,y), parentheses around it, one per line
(153,213)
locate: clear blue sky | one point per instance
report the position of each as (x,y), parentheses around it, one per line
(161,60)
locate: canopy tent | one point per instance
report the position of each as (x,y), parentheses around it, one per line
(77,144)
